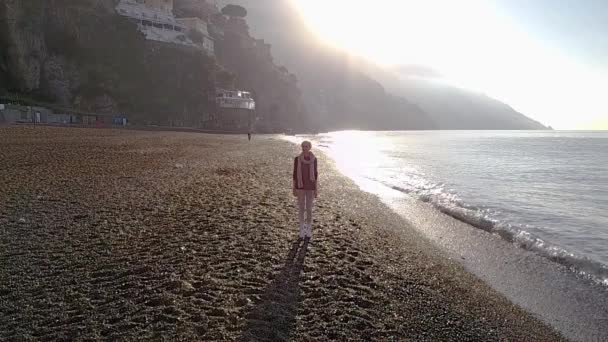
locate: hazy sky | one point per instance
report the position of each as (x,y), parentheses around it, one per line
(546,58)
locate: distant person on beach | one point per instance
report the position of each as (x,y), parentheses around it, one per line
(249,136)
(305,177)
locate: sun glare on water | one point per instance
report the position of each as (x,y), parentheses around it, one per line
(346,150)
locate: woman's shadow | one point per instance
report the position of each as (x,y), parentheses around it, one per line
(274,316)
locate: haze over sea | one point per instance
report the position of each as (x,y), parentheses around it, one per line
(546,191)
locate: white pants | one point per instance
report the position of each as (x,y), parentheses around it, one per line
(305,203)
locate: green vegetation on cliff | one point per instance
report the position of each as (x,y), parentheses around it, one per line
(81,54)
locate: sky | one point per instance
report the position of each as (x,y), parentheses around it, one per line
(546,58)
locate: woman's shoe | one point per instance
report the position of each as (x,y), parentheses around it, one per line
(308,230)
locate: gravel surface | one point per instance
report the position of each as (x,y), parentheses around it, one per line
(133,235)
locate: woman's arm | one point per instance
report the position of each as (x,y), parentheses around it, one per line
(316,180)
(295,176)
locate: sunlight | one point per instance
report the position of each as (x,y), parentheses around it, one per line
(347,148)
(438,33)
(388,32)
(472,45)
(600,124)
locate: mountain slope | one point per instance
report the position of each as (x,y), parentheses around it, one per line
(337,94)
(415,104)
(454,108)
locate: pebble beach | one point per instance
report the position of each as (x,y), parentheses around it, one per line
(138,235)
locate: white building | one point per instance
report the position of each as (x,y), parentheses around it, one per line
(235,110)
(235,99)
(201,37)
(155,19)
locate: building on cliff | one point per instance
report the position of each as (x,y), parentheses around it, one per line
(199,33)
(156,21)
(235,110)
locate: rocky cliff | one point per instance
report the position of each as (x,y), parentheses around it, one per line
(81,54)
(51,50)
(278,97)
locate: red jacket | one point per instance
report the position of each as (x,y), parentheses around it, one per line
(308,184)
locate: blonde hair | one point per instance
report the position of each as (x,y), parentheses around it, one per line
(306,142)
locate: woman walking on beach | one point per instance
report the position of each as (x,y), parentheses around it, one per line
(305,177)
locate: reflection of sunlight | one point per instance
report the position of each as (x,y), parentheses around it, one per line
(357,151)
(358,155)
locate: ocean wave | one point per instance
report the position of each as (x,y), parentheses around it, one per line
(450,204)
(410,181)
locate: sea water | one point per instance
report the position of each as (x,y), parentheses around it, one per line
(546,191)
